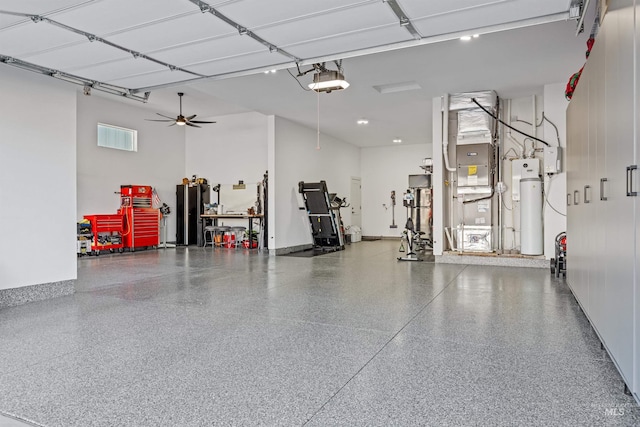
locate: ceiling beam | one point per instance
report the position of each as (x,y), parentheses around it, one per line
(70,78)
(563,16)
(403,19)
(94,38)
(242,30)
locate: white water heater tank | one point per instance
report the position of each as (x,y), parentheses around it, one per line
(531,237)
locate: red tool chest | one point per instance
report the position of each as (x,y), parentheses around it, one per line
(141,220)
(107,232)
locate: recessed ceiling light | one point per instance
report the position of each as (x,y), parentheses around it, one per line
(397,141)
(475,36)
(270,71)
(363,122)
(465,38)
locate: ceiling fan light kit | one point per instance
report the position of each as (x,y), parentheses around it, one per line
(181,120)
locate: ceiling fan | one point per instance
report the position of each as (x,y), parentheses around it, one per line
(181,120)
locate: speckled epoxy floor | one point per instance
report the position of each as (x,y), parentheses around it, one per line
(200,337)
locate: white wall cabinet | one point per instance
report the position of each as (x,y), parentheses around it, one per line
(636,97)
(603,209)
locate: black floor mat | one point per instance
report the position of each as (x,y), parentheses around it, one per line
(308,253)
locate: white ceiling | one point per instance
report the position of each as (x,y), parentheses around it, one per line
(217,57)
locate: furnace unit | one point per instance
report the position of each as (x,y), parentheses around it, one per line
(421,215)
(476,167)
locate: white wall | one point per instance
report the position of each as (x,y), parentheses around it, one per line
(294,159)
(232,149)
(37,179)
(555,107)
(159,161)
(439,175)
(385,169)
(521,110)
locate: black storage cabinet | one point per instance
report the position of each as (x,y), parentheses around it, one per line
(190,201)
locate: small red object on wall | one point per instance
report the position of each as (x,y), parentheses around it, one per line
(575,78)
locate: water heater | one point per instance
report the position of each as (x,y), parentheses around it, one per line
(522,169)
(531,240)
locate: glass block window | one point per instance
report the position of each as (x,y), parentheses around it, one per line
(117,137)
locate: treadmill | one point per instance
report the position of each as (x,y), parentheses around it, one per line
(324,217)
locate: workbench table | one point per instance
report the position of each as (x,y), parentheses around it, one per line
(215,217)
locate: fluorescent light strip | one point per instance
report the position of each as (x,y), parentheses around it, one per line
(338,84)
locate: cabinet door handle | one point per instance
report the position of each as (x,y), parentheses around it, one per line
(602,196)
(587,194)
(576,197)
(630,192)
(568,199)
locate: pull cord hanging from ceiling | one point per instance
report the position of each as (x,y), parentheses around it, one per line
(318,112)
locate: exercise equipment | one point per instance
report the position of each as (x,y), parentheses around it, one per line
(324,217)
(409,235)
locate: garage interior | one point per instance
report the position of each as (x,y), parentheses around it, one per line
(476,332)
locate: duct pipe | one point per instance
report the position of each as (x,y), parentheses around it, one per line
(445,132)
(444,110)
(511,138)
(445,153)
(522,155)
(534,119)
(500,186)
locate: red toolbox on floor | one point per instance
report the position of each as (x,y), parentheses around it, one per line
(107,231)
(141,220)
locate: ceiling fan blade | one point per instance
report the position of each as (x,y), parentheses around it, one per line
(181,120)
